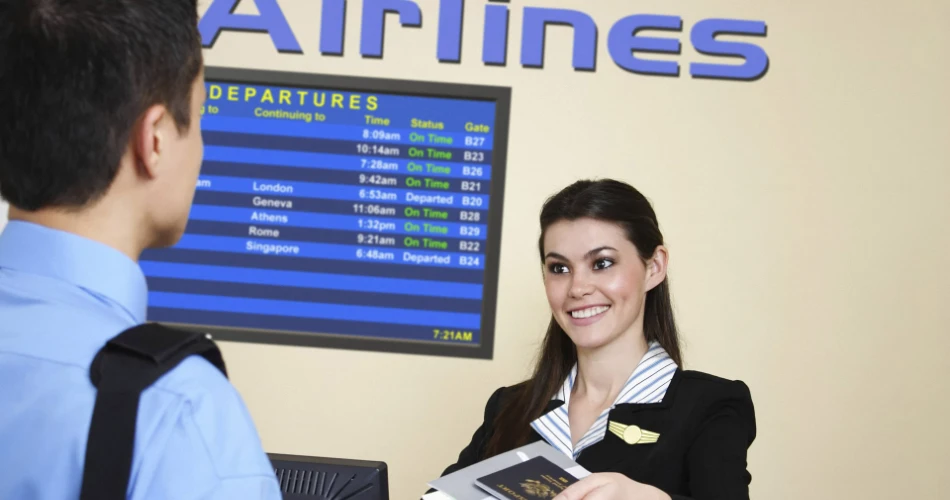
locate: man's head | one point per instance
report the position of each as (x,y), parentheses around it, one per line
(100,110)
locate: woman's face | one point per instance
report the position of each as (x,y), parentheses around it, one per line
(596,282)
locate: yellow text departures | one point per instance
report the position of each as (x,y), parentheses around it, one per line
(288,97)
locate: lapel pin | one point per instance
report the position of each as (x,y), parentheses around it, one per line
(632,434)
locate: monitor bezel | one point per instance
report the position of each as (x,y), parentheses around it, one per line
(378,465)
(501,96)
(300,462)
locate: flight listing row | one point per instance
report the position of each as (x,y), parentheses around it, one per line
(367,148)
(356,193)
(343,207)
(340,132)
(342,237)
(331,176)
(305,250)
(240,257)
(265,158)
(369,224)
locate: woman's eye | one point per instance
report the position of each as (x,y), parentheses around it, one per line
(557,268)
(603,263)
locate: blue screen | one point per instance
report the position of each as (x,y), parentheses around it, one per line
(331,212)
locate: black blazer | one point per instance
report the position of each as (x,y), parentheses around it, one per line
(706,425)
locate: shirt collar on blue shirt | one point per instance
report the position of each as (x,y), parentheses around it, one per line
(647,384)
(99,269)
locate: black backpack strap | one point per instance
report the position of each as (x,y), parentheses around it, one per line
(128,364)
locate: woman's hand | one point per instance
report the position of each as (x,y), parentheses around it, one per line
(611,486)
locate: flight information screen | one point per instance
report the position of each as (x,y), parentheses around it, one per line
(341,212)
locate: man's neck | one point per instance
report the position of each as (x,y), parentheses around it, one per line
(114,228)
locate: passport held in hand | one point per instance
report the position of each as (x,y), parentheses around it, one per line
(534,479)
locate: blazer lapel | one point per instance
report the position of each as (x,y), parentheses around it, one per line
(649,419)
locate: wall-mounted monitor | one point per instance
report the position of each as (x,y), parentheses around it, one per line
(341,212)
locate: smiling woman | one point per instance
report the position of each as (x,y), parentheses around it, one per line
(608,390)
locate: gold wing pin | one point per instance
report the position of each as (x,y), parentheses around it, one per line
(632,434)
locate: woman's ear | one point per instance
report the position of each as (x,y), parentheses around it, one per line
(656,267)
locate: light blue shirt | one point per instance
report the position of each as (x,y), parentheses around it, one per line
(61,298)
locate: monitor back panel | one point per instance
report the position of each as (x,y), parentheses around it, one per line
(317,478)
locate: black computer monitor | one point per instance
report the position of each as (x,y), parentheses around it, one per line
(318,478)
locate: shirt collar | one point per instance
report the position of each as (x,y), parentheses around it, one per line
(647,384)
(99,269)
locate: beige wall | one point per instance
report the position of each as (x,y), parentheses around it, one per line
(806,214)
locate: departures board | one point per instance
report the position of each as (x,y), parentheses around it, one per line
(341,212)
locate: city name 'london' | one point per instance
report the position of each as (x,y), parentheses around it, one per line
(273,188)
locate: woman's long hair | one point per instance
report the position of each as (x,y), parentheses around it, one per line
(610,201)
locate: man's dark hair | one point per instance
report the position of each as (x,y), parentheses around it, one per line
(75,75)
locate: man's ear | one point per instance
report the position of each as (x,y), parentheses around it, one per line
(656,267)
(148,141)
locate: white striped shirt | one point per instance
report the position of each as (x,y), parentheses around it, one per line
(647,384)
